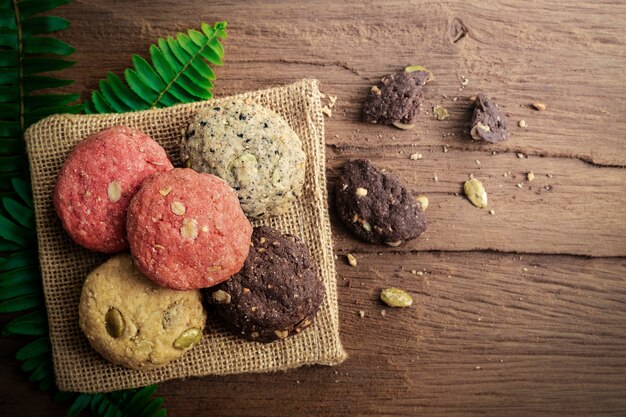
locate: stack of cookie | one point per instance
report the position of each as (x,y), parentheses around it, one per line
(188,230)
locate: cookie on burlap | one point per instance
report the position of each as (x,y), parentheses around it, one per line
(396,98)
(98,180)
(375,206)
(489,122)
(251,148)
(276,294)
(186,230)
(135,323)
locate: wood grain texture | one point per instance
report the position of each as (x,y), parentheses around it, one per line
(492,332)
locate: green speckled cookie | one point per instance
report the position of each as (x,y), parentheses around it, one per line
(253,149)
(135,323)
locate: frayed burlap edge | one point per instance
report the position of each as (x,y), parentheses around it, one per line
(64,264)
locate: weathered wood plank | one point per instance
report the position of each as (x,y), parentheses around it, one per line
(569,57)
(579,210)
(548,341)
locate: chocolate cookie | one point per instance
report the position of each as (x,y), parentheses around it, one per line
(277,292)
(376,207)
(489,122)
(396,98)
(135,323)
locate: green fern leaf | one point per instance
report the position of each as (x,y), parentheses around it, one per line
(22,188)
(37,347)
(11,146)
(80,403)
(31,364)
(19,290)
(14,233)
(37,45)
(42,371)
(20,276)
(47,383)
(37,65)
(17,260)
(32,7)
(44,24)
(32,103)
(33,324)
(21,303)
(178,73)
(22,214)
(6,245)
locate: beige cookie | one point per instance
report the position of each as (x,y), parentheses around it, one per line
(253,149)
(133,322)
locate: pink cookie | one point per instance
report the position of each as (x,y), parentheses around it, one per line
(98,180)
(187,230)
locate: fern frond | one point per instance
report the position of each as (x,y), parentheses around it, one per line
(129,403)
(179,72)
(24,54)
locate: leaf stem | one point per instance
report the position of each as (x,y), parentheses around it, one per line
(20,49)
(181,71)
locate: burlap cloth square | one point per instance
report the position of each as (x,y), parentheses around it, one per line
(64,264)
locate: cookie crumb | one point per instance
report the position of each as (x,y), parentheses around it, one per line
(445,148)
(472,98)
(520,155)
(539,106)
(361,313)
(464,81)
(383,313)
(520,185)
(328,112)
(416,156)
(492,212)
(530,176)
(478,368)
(477,162)
(331,101)
(440,112)
(522,123)
(351,259)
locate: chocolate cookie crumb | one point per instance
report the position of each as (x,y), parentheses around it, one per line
(489,122)
(396,99)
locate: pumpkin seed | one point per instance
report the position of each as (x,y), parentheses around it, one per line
(395,297)
(403,126)
(114,322)
(422,201)
(188,338)
(414,68)
(475,192)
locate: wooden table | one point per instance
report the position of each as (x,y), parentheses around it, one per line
(518,313)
